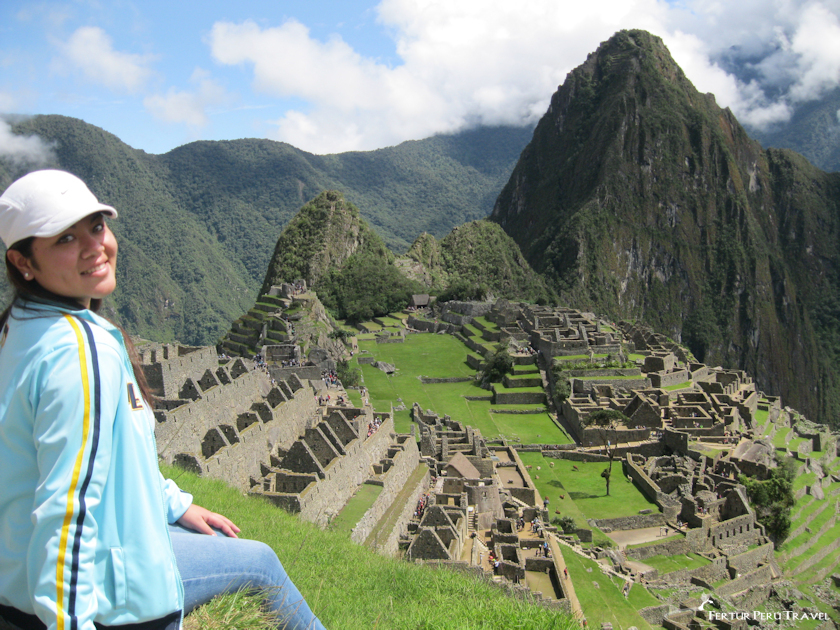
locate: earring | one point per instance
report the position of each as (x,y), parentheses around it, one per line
(26,276)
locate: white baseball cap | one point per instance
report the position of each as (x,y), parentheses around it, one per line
(45,203)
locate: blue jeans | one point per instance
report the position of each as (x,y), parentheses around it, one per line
(213,565)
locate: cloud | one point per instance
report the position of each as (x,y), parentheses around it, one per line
(189,108)
(770,55)
(463,63)
(30,150)
(496,62)
(90,51)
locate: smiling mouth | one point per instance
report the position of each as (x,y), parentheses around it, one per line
(99,267)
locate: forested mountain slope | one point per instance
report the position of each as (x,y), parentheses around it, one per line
(198,225)
(639,197)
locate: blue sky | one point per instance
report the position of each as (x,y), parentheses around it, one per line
(330,76)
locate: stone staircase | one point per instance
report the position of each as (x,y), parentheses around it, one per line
(260,325)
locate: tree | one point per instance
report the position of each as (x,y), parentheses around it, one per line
(349,376)
(773,498)
(607,421)
(499,364)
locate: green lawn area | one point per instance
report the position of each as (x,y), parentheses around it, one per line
(355,508)
(815,525)
(677,562)
(779,438)
(443,356)
(488,325)
(672,388)
(500,387)
(533,374)
(761,417)
(355,397)
(584,489)
(391,321)
(635,357)
(601,598)
(611,378)
(808,479)
(471,331)
(579,357)
(795,443)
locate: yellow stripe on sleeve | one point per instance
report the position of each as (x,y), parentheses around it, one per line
(68,516)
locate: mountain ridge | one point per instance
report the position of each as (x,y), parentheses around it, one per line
(640,198)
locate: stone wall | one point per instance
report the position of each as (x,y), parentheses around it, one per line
(518,398)
(587,386)
(637,521)
(670,547)
(761,576)
(321,501)
(230,429)
(666,379)
(405,461)
(306,372)
(647,485)
(750,560)
(167,367)
(741,527)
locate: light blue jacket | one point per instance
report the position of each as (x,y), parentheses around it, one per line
(83,507)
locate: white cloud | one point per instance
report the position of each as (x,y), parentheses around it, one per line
(496,62)
(464,63)
(189,108)
(23,149)
(90,51)
(786,52)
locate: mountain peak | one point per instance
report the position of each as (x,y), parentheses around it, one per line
(640,198)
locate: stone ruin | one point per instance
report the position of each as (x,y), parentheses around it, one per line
(684,449)
(227,418)
(470,517)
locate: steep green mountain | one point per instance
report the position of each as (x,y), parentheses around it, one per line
(174,279)
(640,198)
(475,254)
(198,225)
(333,249)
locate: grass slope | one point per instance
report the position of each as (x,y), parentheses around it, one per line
(350,587)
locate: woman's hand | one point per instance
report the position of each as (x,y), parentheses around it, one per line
(201,520)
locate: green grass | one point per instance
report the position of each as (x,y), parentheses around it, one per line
(601,598)
(488,325)
(355,508)
(501,387)
(349,586)
(392,322)
(677,562)
(779,438)
(355,397)
(638,377)
(443,356)
(584,489)
(472,331)
(808,479)
(815,525)
(658,541)
(671,388)
(761,417)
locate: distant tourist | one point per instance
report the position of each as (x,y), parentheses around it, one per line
(92,535)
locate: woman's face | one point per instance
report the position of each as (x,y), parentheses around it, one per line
(79,263)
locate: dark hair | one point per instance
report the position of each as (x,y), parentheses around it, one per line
(25,290)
